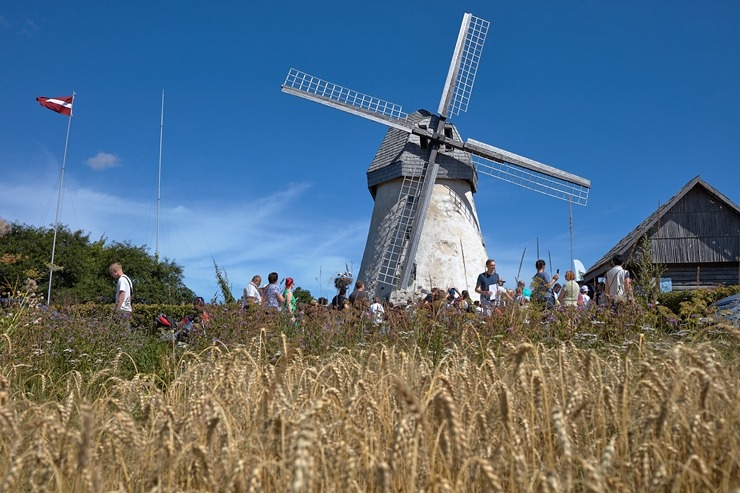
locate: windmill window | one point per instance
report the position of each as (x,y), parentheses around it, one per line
(448,135)
(423,141)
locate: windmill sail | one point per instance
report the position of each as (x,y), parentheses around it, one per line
(320,91)
(528,173)
(465,59)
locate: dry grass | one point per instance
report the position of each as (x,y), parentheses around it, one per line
(378,419)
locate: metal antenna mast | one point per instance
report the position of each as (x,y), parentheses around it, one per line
(159,176)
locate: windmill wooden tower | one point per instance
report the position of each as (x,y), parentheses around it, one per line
(425,230)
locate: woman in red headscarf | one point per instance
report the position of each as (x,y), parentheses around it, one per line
(288,298)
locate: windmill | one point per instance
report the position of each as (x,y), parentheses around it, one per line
(425,227)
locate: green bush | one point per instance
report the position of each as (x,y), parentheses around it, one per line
(695,301)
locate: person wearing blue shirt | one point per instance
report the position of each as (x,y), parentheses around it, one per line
(483,286)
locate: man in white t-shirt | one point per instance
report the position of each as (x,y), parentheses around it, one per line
(252,295)
(124,288)
(376,311)
(618,282)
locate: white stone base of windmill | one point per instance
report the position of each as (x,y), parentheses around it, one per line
(405,297)
(451,252)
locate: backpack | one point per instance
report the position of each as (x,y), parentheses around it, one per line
(130,287)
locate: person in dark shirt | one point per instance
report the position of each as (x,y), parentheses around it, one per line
(359,295)
(487,280)
(542,285)
(338,301)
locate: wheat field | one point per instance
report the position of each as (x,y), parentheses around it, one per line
(526,418)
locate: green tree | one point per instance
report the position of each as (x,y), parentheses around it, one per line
(648,272)
(26,251)
(302,295)
(81,267)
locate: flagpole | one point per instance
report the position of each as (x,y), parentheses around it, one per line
(159,177)
(59,200)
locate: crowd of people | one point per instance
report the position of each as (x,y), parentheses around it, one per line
(545,288)
(270,297)
(493,295)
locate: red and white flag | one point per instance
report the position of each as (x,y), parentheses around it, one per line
(61,105)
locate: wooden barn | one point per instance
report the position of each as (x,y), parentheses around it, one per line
(695,236)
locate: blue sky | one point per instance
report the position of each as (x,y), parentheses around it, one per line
(637,96)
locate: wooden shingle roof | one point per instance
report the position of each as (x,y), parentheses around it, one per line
(626,245)
(401,154)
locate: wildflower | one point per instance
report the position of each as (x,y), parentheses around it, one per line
(30,285)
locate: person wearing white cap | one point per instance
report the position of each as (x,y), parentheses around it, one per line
(502,295)
(584,299)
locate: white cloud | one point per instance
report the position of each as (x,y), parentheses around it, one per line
(244,236)
(103,160)
(29,28)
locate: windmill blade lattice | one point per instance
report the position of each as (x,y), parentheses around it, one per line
(527,173)
(321,91)
(464,66)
